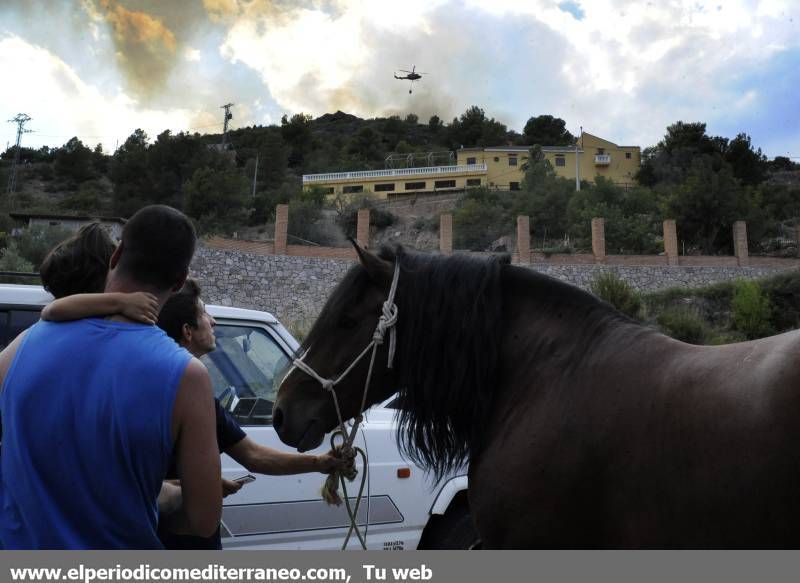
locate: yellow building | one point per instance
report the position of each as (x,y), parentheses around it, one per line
(499,167)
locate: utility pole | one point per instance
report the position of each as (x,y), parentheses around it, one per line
(21,119)
(577,164)
(228,117)
(255,175)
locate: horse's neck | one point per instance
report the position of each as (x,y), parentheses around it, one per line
(544,333)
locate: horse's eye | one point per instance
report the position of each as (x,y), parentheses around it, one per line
(347,322)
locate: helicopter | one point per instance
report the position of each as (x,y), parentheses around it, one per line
(411,75)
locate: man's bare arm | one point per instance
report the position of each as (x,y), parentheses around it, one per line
(195,434)
(265,460)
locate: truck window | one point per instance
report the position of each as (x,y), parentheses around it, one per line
(14,321)
(245,369)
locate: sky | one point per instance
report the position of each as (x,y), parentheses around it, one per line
(623,70)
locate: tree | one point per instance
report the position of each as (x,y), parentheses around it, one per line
(74,161)
(544,197)
(749,165)
(297,133)
(482,217)
(473,128)
(632,216)
(218,198)
(547,130)
(707,204)
(671,159)
(412,119)
(435,124)
(128,173)
(365,145)
(783,164)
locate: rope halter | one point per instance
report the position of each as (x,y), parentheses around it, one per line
(386,323)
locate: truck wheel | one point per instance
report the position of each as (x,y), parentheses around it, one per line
(452,530)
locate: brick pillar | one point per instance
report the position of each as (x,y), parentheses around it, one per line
(281,228)
(740,243)
(797,236)
(446,233)
(599,240)
(671,242)
(362,228)
(524,239)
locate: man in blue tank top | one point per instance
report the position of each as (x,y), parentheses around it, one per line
(92,410)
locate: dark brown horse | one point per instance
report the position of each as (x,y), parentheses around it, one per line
(582,428)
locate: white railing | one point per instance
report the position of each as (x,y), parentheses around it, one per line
(425,171)
(603,159)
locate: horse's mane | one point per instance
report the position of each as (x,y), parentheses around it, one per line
(449,335)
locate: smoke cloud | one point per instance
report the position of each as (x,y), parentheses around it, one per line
(145,48)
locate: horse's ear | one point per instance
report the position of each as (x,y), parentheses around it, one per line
(378,269)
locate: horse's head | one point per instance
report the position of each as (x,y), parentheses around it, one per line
(305,410)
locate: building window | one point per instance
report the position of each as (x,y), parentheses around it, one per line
(473,181)
(327,189)
(497,158)
(628,155)
(444,184)
(512,160)
(415,186)
(561,161)
(387,187)
(601,151)
(470,160)
(513,185)
(353,189)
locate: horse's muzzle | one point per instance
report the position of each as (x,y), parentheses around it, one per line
(305,434)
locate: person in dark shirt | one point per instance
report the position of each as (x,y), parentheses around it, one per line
(185,320)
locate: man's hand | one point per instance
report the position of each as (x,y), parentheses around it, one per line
(169,499)
(329,463)
(230,487)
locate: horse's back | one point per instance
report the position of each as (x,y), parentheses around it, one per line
(699,450)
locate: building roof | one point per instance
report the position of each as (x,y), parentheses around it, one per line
(55,217)
(521,149)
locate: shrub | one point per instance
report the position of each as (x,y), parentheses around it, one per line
(34,243)
(751,309)
(617,292)
(348,215)
(11,260)
(683,324)
(784,292)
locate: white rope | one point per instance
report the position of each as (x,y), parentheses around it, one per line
(386,322)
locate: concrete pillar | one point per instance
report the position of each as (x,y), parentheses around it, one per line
(524,239)
(281,228)
(671,242)
(362,228)
(599,240)
(446,233)
(740,243)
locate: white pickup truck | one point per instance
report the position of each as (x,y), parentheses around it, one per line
(401,509)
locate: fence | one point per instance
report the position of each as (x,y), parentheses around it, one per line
(523,253)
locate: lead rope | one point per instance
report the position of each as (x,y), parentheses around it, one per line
(386,322)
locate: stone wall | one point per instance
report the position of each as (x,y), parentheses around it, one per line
(294,288)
